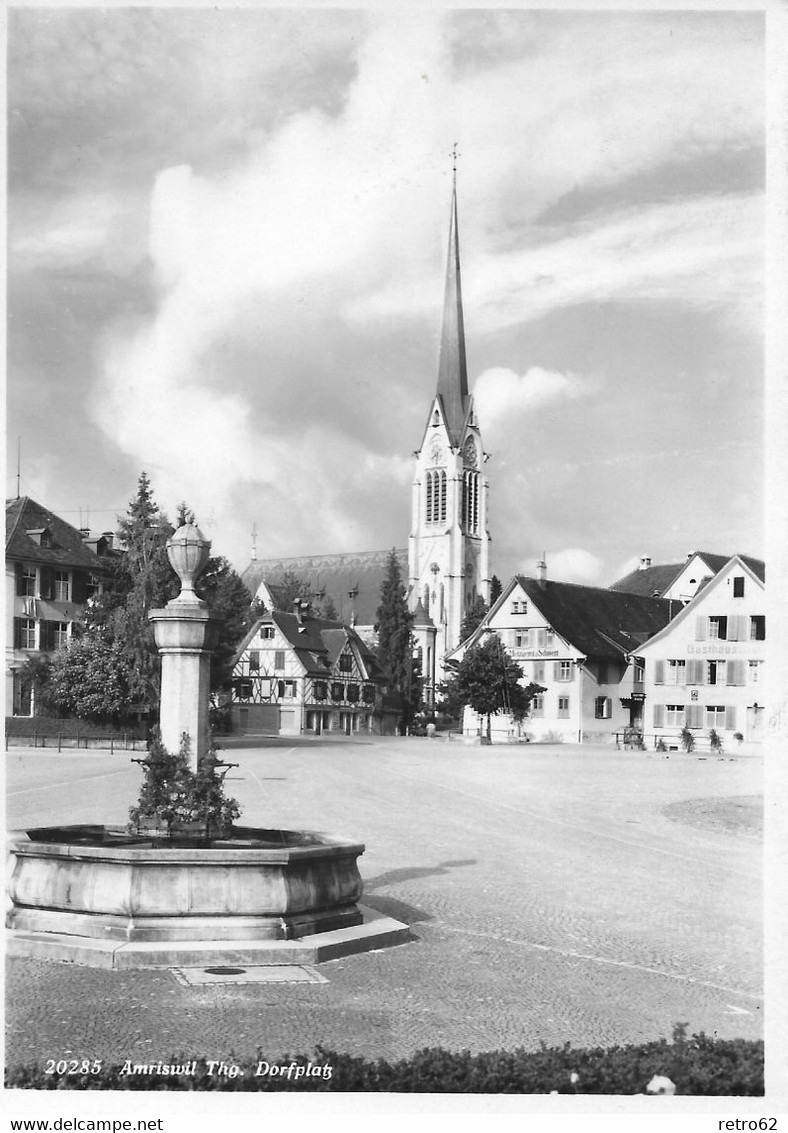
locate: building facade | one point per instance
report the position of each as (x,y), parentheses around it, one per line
(51,574)
(295,674)
(576,642)
(705,670)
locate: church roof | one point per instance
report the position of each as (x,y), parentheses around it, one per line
(452,368)
(352,580)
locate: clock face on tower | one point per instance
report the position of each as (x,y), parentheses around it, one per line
(469,452)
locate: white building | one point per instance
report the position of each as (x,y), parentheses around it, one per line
(705,669)
(582,644)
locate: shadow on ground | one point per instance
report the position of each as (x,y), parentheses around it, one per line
(401,910)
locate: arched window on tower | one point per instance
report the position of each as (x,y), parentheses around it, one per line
(429,497)
(470,502)
(443,497)
(442,606)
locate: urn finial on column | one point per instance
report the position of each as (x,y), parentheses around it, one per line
(188,551)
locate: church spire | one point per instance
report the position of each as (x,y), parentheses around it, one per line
(452,371)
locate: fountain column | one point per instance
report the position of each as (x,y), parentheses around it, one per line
(186,633)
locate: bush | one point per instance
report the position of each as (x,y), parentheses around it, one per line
(700,1066)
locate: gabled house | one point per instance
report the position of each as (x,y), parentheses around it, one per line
(51,575)
(680,581)
(582,644)
(296,674)
(705,670)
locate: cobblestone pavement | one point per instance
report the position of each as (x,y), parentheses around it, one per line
(554,894)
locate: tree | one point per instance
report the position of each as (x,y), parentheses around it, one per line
(489,681)
(91,679)
(221,587)
(495,589)
(292,587)
(474,616)
(395,639)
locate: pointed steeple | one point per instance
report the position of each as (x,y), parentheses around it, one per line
(452,371)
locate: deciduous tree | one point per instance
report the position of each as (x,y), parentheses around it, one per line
(489,681)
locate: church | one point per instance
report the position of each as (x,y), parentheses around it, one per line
(447,561)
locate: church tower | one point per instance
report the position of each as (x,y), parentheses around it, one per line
(448,549)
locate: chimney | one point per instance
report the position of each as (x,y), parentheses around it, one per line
(645,562)
(297,610)
(110,537)
(541,571)
(84,533)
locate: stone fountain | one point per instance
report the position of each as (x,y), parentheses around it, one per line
(107,897)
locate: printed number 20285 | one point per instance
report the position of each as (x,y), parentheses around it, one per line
(73,1066)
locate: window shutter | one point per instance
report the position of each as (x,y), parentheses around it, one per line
(556,670)
(659,672)
(730,717)
(701,628)
(736,628)
(17,630)
(695,672)
(694,715)
(45,636)
(79,590)
(659,715)
(608,708)
(47,582)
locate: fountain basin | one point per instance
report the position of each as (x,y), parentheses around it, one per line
(103,883)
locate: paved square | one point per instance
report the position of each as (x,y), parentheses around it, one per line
(555,893)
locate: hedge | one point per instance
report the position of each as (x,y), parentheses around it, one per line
(699,1066)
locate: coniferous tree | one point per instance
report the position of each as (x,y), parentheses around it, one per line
(495,589)
(474,617)
(395,638)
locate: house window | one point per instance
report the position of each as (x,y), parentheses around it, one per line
(254,661)
(521,639)
(715,715)
(738,586)
(758,628)
(62,588)
(674,715)
(267,632)
(538,671)
(337,690)
(243,689)
(537,705)
(25,633)
(603,708)
(563,707)
(564,671)
(279,659)
(677,672)
(353,691)
(715,672)
(287,689)
(754,672)
(321,690)
(549,638)
(369,694)
(519,607)
(26,582)
(59,634)
(718,627)
(639,674)
(345,663)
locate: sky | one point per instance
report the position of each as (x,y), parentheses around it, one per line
(227,233)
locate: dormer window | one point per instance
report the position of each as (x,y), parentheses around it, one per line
(345,663)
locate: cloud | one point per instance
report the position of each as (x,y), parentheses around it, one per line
(326,222)
(501,395)
(570,565)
